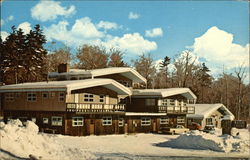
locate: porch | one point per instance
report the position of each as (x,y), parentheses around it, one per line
(95,108)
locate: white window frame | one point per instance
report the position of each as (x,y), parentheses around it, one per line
(56,120)
(9,97)
(164,102)
(102,98)
(77,121)
(180,119)
(88,97)
(107,121)
(45,120)
(150,102)
(164,120)
(145,121)
(31,97)
(121,122)
(209,121)
(61,96)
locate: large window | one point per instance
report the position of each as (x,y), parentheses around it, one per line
(56,121)
(121,122)
(61,96)
(31,97)
(88,97)
(150,102)
(77,121)
(107,121)
(145,121)
(102,98)
(9,96)
(180,119)
(164,120)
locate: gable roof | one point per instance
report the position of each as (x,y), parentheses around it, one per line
(67,86)
(205,110)
(186,92)
(124,71)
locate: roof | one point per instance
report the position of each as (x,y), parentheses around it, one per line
(67,86)
(186,92)
(205,110)
(124,71)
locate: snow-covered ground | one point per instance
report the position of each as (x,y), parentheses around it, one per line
(19,142)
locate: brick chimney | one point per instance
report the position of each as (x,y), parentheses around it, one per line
(63,67)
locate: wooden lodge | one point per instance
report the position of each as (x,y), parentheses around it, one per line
(96,102)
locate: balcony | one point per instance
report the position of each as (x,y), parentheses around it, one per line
(176,109)
(83,108)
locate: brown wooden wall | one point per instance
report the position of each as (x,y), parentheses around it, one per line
(20,102)
(118,77)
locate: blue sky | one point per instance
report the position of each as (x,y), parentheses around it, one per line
(211,29)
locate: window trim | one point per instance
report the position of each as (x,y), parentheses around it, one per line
(120,122)
(53,123)
(166,121)
(45,118)
(145,121)
(88,97)
(77,121)
(103,98)
(9,98)
(107,119)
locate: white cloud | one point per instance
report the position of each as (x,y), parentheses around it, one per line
(107,25)
(217,48)
(133,15)
(133,43)
(49,10)
(155,32)
(10,18)
(25,26)
(4,35)
(85,32)
(1,22)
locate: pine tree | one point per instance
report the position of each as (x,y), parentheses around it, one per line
(116,59)
(205,79)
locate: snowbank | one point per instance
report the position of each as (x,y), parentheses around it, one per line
(204,141)
(23,141)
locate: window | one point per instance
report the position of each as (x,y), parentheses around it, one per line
(125,83)
(145,121)
(45,120)
(56,121)
(101,98)
(31,97)
(45,95)
(107,121)
(172,102)
(164,120)
(9,96)
(61,97)
(88,97)
(77,121)
(209,121)
(180,119)
(120,122)
(150,102)
(164,102)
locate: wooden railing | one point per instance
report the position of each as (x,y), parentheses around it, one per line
(94,108)
(176,109)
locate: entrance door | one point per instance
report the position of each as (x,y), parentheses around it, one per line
(92,127)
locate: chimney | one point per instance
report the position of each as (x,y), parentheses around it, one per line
(63,67)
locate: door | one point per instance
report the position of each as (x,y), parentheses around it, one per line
(92,127)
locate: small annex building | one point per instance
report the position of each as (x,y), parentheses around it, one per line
(209,114)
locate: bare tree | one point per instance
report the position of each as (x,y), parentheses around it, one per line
(116,59)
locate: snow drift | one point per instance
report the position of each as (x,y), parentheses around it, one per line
(23,141)
(204,141)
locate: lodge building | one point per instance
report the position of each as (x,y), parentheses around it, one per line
(96,102)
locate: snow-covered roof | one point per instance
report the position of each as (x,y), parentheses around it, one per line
(67,86)
(124,71)
(144,114)
(205,110)
(186,92)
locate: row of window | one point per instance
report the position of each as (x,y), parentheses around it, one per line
(32,96)
(90,98)
(180,119)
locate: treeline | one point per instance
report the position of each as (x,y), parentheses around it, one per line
(24,59)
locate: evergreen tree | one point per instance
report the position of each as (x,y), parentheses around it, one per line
(116,59)
(205,79)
